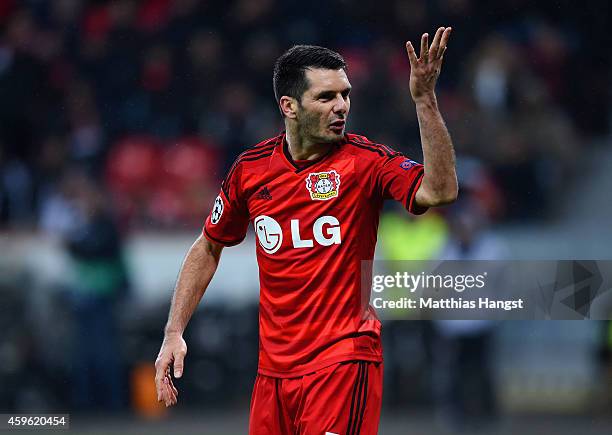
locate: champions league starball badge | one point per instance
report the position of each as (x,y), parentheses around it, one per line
(217,211)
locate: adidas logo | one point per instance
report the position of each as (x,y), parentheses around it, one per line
(264,193)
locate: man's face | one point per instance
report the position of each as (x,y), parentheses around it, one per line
(323,111)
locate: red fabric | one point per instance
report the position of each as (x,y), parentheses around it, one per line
(342,399)
(314,225)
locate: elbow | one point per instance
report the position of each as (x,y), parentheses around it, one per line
(448,196)
(444,198)
(440,196)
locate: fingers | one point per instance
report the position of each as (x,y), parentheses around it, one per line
(170,393)
(435,52)
(179,357)
(411,54)
(161,367)
(437,49)
(173,388)
(424,55)
(166,391)
(169,361)
(445,37)
(435,44)
(443,43)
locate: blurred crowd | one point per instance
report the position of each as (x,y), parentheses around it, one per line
(135,109)
(153,99)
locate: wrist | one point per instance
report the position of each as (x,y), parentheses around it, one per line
(173,332)
(428,99)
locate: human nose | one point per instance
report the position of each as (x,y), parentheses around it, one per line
(341,105)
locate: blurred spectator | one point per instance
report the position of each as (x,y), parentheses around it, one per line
(462,369)
(86,137)
(153,99)
(15,191)
(98,72)
(81,217)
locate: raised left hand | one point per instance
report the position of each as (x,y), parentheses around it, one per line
(424,70)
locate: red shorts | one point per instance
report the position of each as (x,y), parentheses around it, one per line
(342,399)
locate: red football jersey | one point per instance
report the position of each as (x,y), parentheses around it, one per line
(315,221)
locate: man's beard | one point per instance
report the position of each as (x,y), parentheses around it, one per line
(309,126)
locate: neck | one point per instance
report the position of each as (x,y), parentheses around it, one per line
(302,148)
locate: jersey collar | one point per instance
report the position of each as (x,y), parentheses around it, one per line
(298,168)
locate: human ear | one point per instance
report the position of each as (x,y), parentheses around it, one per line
(288,107)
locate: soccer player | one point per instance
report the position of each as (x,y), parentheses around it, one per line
(313,195)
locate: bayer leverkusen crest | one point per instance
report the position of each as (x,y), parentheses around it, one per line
(323,185)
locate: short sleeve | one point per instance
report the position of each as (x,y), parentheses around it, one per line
(399,178)
(228,220)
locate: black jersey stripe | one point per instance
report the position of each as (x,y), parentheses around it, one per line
(365,147)
(353,429)
(387,150)
(228,177)
(384,148)
(372,145)
(413,187)
(226,243)
(363,403)
(269,142)
(390,150)
(258,150)
(225,184)
(353,398)
(261,156)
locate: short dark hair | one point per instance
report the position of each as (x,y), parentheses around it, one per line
(290,68)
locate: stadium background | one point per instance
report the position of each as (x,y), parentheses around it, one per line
(119,118)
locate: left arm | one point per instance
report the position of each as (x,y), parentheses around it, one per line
(439,185)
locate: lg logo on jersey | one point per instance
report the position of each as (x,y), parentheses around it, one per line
(325,230)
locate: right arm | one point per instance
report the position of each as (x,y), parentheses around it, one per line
(196,273)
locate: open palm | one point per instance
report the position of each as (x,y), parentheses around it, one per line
(424,70)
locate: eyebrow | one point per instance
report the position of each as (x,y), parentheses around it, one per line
(330,94)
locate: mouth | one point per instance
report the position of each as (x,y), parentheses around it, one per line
(338,125)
